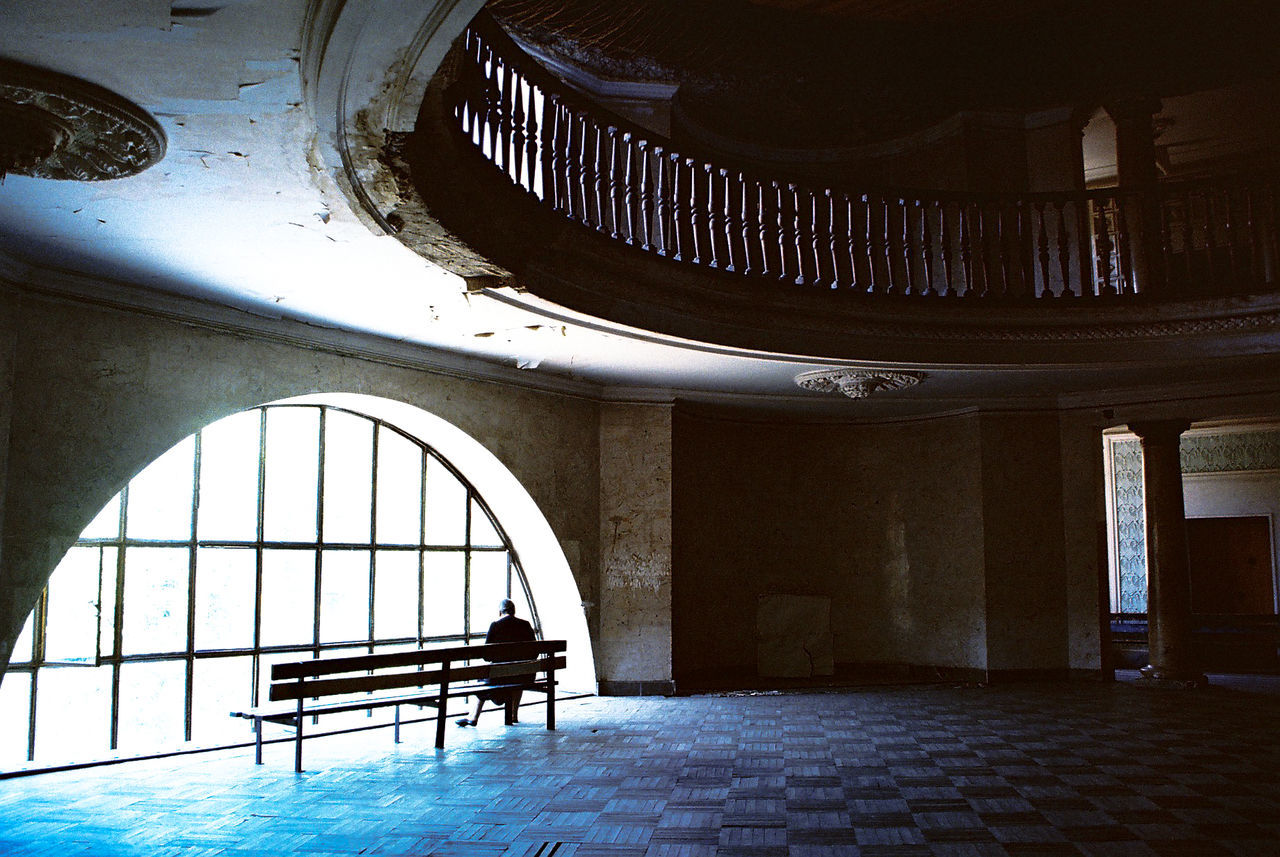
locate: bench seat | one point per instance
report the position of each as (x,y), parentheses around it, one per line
(424,677)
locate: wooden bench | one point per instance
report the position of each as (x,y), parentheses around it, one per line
(424,677)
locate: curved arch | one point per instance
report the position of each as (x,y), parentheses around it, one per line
(556,592)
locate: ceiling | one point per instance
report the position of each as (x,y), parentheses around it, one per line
(243,222)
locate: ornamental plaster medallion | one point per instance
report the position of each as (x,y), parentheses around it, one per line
(857,383)
(55,126)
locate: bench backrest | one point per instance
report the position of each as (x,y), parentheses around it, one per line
(364,673)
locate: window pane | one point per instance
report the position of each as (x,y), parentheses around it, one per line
(107,596)
(344,596)
(399,489)
(446,506)
(225,580)
(442,594)
(229,478)
(155,600)
(107,524)
(152,705)
(488,587)
(483,532)
(22,650)
(348,477)
(15,711)
(73,713)
(395,606)
(220,685)
(160,496)
(288,597)
(71,626)
(521,598)
(292,473)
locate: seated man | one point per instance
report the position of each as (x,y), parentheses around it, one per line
(505,629)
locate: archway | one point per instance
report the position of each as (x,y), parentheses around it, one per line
(201,572)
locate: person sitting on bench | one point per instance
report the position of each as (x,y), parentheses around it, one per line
(507,628)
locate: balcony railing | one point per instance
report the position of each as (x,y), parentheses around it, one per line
(1206,238)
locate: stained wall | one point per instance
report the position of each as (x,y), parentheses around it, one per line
(97,393)
(941,543)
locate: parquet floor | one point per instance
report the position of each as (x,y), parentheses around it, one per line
(1066,769)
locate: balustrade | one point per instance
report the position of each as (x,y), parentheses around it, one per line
(1216,237)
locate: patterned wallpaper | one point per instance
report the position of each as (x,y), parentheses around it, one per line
(1228,452)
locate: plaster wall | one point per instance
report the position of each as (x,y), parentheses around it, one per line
(884,520)
(1024,551)
(98,393)
(634,651)
(1084,527)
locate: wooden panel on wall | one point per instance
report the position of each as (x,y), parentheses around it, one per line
(1231,565)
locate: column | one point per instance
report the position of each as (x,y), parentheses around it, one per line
(1139,200)
(1170,659)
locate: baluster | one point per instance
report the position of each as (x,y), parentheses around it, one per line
(887,247)
(678,206)
(1211,239)
(713,216)
(970,288)
(1043,238)
(550,152)
(1002,242)
(744,191)
(1229,226)
(762,231)
(615,193)
(504,116)
(1084,249)
(782,235)
(1251,237)
(572,167)
(517,128)
(601,181)
(926,244)
(985,220)
(1189,240)
(848,237)
(831,238)
(662,202)
(1166,243)
(1064,259)
(646,197)
(876,284)
(695,212)
(493,105)
(1124,259)
(583,169)
(907,254)
(534,145)
(815,239)
(629,187)
(797,233)
(1102,240)
(730,228)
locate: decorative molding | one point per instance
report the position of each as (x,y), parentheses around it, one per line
(857,383)
(55,126)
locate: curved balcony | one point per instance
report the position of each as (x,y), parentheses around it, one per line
(1198,238)
(711,250)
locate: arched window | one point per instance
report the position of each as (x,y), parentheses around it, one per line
(278,533)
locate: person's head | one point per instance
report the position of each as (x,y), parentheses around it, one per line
(507,607)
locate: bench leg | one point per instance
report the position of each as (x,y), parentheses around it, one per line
(397,724)
(257,740)
(551,700)
(297,742)
(442,711)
